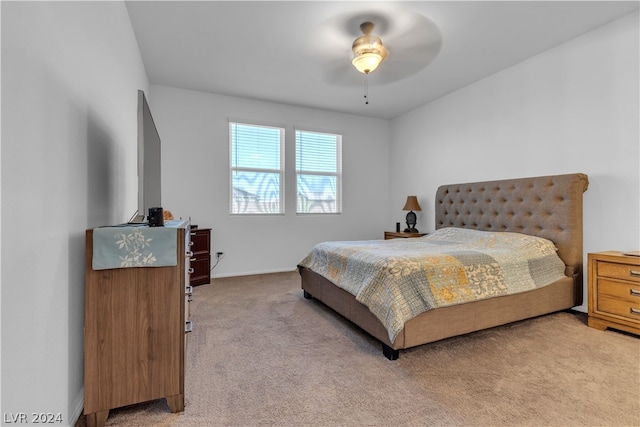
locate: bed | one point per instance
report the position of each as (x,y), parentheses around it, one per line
(548,207)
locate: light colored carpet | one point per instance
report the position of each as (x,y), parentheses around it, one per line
(261,354)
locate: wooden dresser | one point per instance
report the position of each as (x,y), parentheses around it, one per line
(614,291)
(200,262)
(134,336)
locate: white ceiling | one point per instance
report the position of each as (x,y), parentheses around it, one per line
(299,52)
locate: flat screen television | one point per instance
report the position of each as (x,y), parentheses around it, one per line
(149,162)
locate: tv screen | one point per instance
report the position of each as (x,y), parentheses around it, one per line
(149,162)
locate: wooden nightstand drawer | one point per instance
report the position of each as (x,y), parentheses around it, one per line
(618,271)
(618,298)
(620,290)
(401,235)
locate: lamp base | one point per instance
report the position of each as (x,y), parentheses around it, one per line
(411,223)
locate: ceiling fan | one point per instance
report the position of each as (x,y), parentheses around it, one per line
(411,42)
(368,50)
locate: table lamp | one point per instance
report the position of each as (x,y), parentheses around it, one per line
(411,205)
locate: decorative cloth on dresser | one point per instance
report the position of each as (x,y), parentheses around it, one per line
(135,246)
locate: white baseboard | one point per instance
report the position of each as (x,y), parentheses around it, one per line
(251,273)
(78,406)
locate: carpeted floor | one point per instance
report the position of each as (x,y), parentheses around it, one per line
(261,354)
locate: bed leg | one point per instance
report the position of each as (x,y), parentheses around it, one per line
(307,295)
(390,353)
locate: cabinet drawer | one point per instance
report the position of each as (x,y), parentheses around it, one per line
(200,267)
(619,271)
(621,290)
(619,298)
(200,241)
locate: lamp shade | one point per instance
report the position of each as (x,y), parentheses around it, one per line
(367,62)
(412,204)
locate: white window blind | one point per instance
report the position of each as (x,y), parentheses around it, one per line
(318,172)
(257,169)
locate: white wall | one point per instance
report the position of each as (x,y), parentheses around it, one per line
(193,127)
(573,108)
(70,75)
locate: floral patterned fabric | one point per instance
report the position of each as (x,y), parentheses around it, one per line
(400,278)
(135,246)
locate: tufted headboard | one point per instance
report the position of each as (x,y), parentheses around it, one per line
(545,206)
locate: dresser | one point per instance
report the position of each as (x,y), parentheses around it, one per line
(614,291)
(200,261)
(135,319)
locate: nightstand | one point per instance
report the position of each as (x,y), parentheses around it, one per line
(614,291)
(401,235)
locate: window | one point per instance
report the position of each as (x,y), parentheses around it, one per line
(318,172)
(257,169)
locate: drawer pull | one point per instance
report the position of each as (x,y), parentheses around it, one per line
(188,326)
(635,311)
(188,290)
(190,242)
(634,292)
(193,259)
(634,273)
(189,253)
(191,270)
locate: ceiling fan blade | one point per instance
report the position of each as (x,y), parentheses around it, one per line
(342,74)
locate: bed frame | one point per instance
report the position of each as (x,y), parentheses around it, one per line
(547,206)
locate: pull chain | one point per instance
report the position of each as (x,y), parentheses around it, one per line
(366,89)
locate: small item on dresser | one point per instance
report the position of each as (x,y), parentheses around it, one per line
(156,218)
(167,215)
(397,227)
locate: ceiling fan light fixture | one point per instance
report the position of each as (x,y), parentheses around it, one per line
(367,62)
(368,50)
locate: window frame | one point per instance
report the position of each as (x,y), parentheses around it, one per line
(235,168)
(338,174)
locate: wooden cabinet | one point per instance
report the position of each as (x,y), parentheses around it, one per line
(134,336)
(201,259)
(614,291)
(401,235)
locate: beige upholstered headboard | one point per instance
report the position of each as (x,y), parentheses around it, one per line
(545,206)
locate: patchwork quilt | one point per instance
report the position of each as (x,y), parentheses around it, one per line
(400,278)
